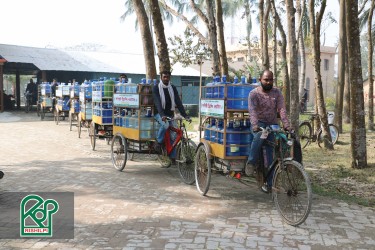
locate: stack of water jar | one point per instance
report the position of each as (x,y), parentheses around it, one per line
(134,111)
(224,108)
(85,99)
(102,92)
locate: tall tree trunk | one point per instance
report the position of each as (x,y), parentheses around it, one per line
(315,24)
(148,47)
(266,58)
(221,39)
(371,79)
(161,42)
(261,34)
(274,31)
(248,29)
(213,37)
(358,133)
(347,101)
(341,81)
(284,60)
(300,4)
(293,70)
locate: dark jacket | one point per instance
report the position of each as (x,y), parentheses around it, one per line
(167,111)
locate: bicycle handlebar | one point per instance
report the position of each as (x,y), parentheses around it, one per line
(178,118)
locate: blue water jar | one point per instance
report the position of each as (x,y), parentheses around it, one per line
(233,140)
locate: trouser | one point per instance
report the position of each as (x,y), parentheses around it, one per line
(257,146)
(162,130)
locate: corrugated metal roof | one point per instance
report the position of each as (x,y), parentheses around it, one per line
(64,60)
(44,59)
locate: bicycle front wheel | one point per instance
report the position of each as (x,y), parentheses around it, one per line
(304,133)
(185,160)
(202,169)
(119,152)
(291,190)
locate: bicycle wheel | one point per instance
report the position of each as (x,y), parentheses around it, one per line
(291,192)
(185,160)
(42,114)
(92,135)
(334,135)
(164,159)
(79,124)
(38,109)
(119,152)
(304,133)
(56,116)
(70,121)
(202,169)
(27,106)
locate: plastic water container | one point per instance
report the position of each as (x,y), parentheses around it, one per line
(220,131)
(207,131)
(243,79)
(76,106)
(209,90)
(235,79)
(213,134)
(108,88)
(246,137)
(241,93)
(76,89)
(233,140)
(133,88)
(331,117)
(146,126)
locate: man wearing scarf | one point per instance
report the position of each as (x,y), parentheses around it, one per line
(166,99)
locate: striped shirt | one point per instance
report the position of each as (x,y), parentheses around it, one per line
(263,107)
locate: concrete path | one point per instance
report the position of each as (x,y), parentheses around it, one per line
(148,207)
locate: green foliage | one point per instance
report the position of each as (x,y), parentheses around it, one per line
(187,50)
(330,102)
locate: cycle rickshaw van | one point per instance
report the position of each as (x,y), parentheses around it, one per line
(62,102)
(101,126)
(74,105)
(225,143)
(135,130)
(47,102)
(85,107)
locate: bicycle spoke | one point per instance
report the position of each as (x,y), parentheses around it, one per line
(292,193)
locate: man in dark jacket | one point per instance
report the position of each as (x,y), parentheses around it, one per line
(166,99)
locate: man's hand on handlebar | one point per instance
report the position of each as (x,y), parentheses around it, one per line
(290,131)
(256,128)
(188,119)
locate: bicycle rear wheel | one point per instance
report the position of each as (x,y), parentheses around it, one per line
(119,152)
(202,169)
(304,133)
(291,190)
(334,131)
(185,160)
(164,159)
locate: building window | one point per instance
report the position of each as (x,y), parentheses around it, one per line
(326,64)
(240,59)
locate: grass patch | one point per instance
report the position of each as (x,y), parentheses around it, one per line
(331,192)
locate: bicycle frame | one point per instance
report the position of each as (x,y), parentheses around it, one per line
(281,140)
(167,138)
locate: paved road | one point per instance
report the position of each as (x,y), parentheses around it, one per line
(148,207)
